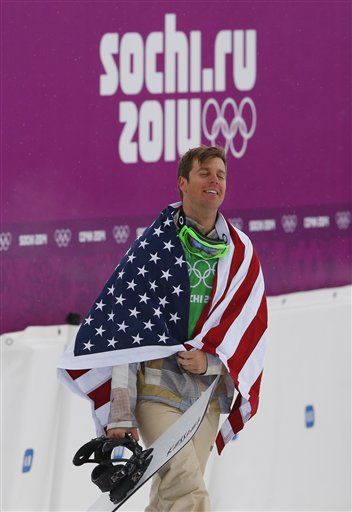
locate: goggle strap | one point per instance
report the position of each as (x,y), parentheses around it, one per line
(186,232)
(181,219)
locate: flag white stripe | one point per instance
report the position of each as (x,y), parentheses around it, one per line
(223,275)
(245,410)
(215,316)
(223,270)
(91,380)
(236,331)
(234,286)
(64,377)
(103,413)
(252,368)
(227,431)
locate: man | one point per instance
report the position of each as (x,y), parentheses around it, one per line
(192,280)
(181,377)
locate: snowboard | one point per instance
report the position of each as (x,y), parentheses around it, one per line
(164,448)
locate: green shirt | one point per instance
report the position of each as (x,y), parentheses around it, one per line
(201,277)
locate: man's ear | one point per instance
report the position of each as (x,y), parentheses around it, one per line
(181,183)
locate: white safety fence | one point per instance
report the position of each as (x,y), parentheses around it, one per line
(294,455)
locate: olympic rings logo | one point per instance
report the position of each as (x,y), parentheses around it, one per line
(121,234)
(5,241)
(62,237)
(289,223)
(230,130)
(209,270)
(343,219)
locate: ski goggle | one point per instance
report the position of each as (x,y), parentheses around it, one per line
(205,248)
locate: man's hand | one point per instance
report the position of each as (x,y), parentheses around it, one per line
(119,433)
(194,361)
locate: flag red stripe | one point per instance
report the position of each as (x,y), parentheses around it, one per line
(220,445)
(75,374)
(237,258)
(216,335)
(236,262)
(101,395)
(249,340)
(235,417)
(254,395)
(236,423)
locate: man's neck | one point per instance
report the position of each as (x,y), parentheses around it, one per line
(204,219)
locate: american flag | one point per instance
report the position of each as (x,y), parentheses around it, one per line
(142,314)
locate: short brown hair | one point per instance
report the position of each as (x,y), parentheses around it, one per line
(200,153)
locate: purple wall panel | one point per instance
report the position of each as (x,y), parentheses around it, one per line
(72,202)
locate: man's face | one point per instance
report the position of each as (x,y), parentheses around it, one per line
(206,187)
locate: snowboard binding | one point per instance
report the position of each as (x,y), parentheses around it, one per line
(117,479)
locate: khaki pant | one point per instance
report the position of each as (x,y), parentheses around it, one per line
(179,485)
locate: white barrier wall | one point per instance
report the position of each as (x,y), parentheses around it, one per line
(294,455)
(30,414)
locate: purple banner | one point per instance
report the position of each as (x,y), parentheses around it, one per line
(99,99)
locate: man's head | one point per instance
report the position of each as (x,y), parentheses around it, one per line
(200,153)
(202,179)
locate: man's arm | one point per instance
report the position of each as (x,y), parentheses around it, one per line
(123,401)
